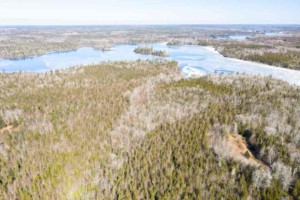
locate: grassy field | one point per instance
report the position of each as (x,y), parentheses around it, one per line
(138,130)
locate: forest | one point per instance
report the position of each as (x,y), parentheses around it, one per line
(148,50)
(140,130)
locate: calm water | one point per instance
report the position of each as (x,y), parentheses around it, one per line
(276,34)
(192,60)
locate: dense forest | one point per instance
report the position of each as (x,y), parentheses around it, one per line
(139,130)
(264,54)
(148,50)
(287,60)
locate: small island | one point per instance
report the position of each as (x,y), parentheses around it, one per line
(174,43)
(147,50)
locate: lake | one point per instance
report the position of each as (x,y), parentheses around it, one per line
(192,61)
(234,37)
(242,37)
(272,34)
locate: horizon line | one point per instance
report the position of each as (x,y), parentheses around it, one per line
(159,24)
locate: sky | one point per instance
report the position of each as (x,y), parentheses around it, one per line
(103,12)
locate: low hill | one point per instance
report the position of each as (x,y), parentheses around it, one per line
(139,130)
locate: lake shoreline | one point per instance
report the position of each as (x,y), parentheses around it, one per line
(193,60)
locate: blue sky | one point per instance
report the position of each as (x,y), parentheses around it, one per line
(59,12)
